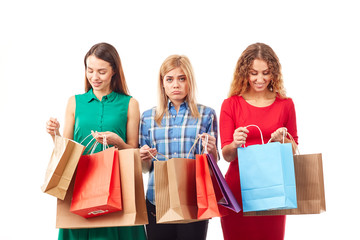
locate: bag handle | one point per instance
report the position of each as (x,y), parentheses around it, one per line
(297,151)
(206,143)
(261,134)
(196,140)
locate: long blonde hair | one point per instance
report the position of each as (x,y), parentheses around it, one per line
(240,83)
(170,63)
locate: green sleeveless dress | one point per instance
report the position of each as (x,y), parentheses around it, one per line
(109,114)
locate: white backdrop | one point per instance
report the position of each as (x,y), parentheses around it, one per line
(41,65)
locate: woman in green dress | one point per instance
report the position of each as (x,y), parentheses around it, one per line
(106,109)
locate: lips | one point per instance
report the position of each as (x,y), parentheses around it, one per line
(96,84)
(176,92)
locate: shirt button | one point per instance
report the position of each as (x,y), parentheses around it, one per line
(174,153)
(174,139)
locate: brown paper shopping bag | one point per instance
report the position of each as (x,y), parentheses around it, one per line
(309,187)
(133,198)
(175,191)
(61,167)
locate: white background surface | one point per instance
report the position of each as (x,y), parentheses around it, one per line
(41,65)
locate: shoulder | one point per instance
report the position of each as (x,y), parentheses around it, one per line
(231,102)
(70,107)
(133,103)
(205,110)
(286,101)
(149,113)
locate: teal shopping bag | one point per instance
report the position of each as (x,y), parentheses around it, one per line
(267,177)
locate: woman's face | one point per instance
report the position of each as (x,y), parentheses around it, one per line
(259,76)
(99,73)
(176,85)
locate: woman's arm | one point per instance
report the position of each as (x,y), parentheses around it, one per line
(70,118)
(239,138)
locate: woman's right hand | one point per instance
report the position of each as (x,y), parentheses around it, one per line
(240,135)
(53,126)
(146,157)
(144,153)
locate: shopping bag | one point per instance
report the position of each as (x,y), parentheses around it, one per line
(97,184)
(309,187)
(61,167)
(224,195)
(175,191)
(133,199)
(205,193)
(267,176)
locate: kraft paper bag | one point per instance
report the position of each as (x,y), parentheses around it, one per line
(61,167)
(309,187)
(205,193)
(133,199)
(97,184)
(267,177)
(175,191)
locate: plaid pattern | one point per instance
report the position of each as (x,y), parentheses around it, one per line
(176,135)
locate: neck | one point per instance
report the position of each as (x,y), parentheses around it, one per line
(101,94)
(259,95)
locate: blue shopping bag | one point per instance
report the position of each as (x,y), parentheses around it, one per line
(267,177)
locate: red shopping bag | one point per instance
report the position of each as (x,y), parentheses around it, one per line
(205,193)
(97,184)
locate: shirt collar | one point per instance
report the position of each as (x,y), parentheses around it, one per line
(91,96)
(182,105)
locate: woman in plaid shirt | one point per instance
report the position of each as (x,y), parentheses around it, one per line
(171,129)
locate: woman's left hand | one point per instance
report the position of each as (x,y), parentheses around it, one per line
(279,135)
(111,138)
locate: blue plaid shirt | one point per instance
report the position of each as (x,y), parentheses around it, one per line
(176,135)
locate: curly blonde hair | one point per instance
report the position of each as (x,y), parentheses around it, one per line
(240,82)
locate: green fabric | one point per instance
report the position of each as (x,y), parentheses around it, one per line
(109,114)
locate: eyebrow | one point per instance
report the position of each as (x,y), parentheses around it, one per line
(178,75)
(100,69)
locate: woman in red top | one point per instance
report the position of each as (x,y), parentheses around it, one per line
(257,96)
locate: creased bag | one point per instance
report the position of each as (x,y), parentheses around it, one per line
(205,193)
(267,176)
(61,167)
(133,199)
(175,191)
(97,184)
(224,195)
(309,187)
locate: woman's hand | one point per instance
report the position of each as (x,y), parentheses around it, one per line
(111,138)
(210,144)
(52,127)
(279,135)
(240,135)
(146,157)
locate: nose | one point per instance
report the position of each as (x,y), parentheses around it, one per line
(175,83)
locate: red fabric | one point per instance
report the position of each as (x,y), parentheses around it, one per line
(235,113)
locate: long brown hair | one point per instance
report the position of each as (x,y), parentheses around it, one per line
(170,63)
(109,54)
(240,83)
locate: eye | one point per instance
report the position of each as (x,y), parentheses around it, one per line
(89,70)
(169,79)
(253,73)
(266,73)
(182,79)
(102,73)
